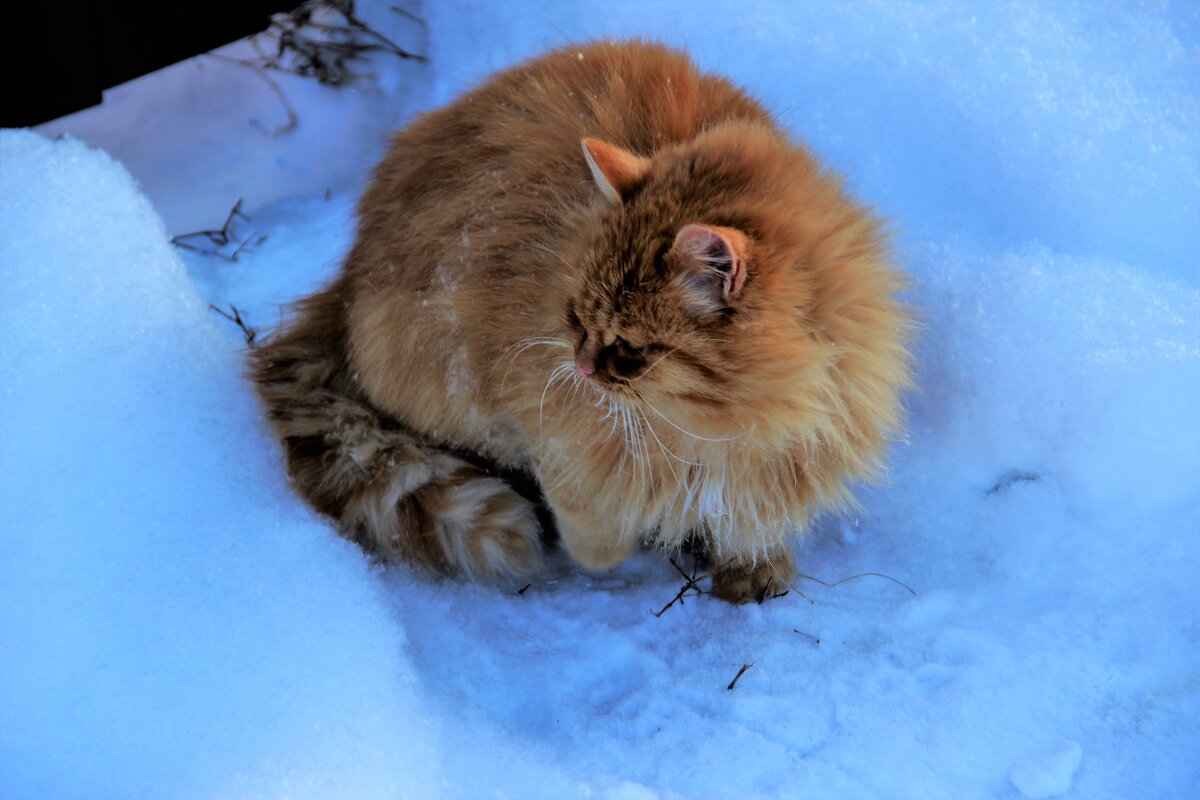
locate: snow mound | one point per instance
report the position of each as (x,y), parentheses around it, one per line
(172,620)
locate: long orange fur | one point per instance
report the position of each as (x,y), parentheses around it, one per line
(493,269)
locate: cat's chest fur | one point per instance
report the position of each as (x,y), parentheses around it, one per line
(498,394)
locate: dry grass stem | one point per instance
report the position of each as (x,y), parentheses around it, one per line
(321,39)
(235,316)
(224,242)
(910,590)
(691,584)
(816,642)
(738,677)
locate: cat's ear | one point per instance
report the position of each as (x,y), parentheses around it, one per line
(616,171)
(712,258)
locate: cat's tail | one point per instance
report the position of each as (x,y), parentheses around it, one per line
(397,495)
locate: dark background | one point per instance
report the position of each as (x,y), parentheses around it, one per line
(57,56)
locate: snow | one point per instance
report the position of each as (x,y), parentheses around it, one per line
(1048,774)
(171,618)
(175,623)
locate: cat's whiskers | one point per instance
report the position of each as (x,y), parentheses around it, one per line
(684,431)
(529,341)
(601,399)
(576,386)
(557,374)
(639,464)
(525,344)
(635,457)
(661,447)
(655,363)
(630,451)
(625,436)
(634,425)
(666,450)
(641,448)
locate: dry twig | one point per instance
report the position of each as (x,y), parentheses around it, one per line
(911,590)
(816,642)
(764,594)
(236,318)
(292,119)
(404,12)
(1007,480)
(738,677)
(221,239)
(691,584)
(319,39)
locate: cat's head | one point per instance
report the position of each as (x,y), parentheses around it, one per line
(729,285)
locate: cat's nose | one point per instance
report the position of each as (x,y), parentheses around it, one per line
(586,370)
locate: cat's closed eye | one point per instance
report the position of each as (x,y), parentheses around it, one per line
(623,359)
(624,346)
(572,318)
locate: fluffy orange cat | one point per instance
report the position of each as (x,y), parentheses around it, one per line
(616,274)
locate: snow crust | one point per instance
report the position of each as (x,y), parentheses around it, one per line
(173,622)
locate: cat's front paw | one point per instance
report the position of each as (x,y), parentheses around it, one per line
(595,554)
(737,583)
(593,543)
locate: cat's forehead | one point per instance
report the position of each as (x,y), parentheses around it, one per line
(629,259)
(624,297)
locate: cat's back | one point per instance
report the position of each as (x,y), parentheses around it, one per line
(512,145)
(641,95)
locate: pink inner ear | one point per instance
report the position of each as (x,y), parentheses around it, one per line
(711,249)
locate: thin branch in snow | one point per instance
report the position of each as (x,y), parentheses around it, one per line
(816,642)
(523,589)
(763,595)
(319,39)
(911,590)
(738,677)
(1013,476)
(257,69)
(221,239)
(809,600)
(236,318)
(678,598)
(691,584)
(404,12)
